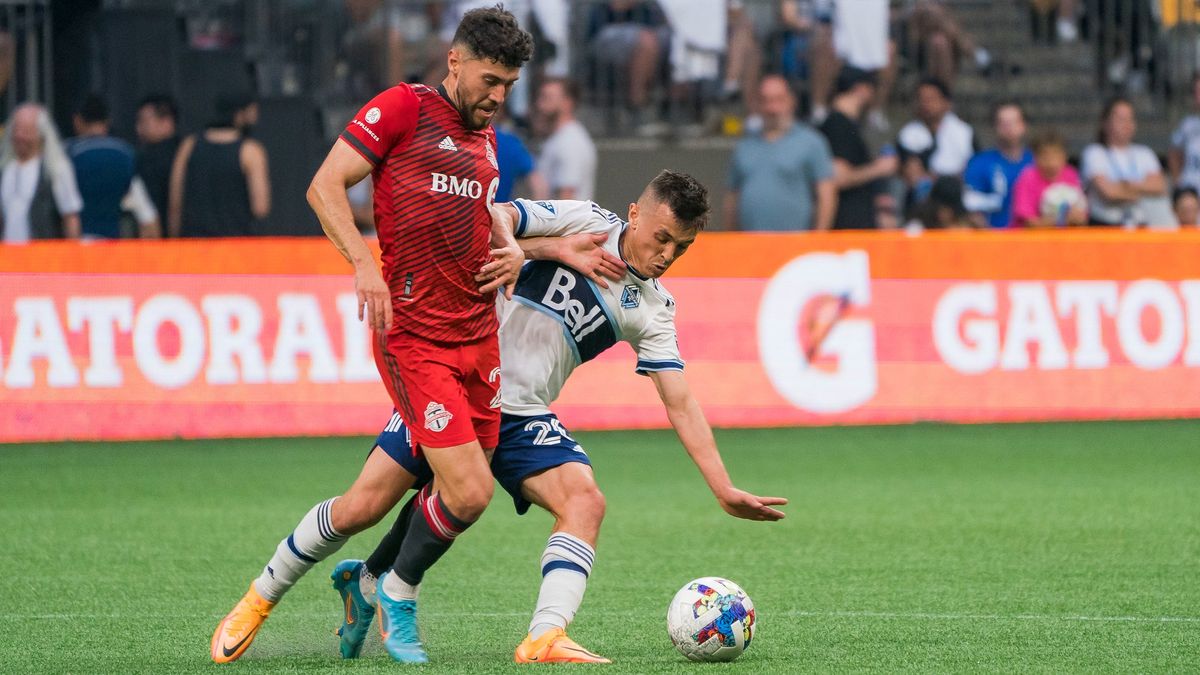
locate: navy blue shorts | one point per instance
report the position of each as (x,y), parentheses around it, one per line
(395,441)
(529,445)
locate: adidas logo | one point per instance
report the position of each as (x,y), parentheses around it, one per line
(448,144)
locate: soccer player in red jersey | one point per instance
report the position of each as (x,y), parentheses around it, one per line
(432,158)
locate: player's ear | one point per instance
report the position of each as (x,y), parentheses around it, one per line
(453,60)
(633,214)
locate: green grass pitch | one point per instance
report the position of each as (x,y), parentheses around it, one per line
(1058,547)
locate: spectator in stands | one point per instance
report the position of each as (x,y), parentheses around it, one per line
(859,39)
(106,171)
(1125,182)
(942,208)
(1048,193)
(627,39)
(936,143)
(939,42)
(1186,202)
(158,138)
(1183,159)
(782,177)
(744,66)
(991,174)
(862,194)
(568,158)
(518,171)
(38,195)
(219,181)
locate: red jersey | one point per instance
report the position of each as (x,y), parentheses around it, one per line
(434,179)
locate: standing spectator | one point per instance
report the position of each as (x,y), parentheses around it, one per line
(1034,204)
(568,159)
(105,170)
(862,194)
(782,177)
(1187,206)
(991,174)
(517,167)
(935,144)
(219,181)
(38,194)
(158,136)
(1125,182)
(1183,159)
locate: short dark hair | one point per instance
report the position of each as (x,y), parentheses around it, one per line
(851,76)
(93,109)
(570,87)
(229,104)
(934,82)
(1006,103)
(493,33)
(1048,139)
(1181,192)
(162,105)
(684,195)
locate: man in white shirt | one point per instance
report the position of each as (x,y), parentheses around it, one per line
(38,194)
(568,159)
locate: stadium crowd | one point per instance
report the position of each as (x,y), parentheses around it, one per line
(806,83)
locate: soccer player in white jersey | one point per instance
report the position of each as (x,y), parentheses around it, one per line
(558,319)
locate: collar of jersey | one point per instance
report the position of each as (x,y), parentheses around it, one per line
(441,90)
(634,272)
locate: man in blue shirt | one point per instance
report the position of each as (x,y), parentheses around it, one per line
(782,177)
(516,165)
(991,174)
(105,172)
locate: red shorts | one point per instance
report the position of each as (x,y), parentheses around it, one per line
(448,394)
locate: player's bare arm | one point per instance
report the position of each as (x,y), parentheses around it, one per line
(342,168)
(584,252)
(696,435)
(507,257)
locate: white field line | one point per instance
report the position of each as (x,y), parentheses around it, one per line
(899,616)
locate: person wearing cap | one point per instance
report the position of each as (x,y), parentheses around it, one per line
(220,186)
(863,199)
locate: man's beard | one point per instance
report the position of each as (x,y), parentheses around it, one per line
(467,113)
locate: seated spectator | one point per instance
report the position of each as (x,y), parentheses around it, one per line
(1183,159)
(106,171)
(158,136)
(862,193)
(628,37)
(745,63)
(1124,181)
(991,174)
(219,182)
(939,41)
(782,177)
(38,195)
(936,143)
(1048,193)
(568,159)
(1186,202)
(942,208)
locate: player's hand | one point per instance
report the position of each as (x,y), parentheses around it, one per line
(374,298)
(745,505)
(585,253)
(502,271)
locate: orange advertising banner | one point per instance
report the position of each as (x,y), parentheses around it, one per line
(194,339)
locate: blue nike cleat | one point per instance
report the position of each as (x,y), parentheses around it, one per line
(398,625)
(359,612)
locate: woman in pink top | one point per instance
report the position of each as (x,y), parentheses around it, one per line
(1048,192)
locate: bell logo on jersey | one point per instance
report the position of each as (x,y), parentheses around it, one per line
(437,417)
(579,320)
(454,185)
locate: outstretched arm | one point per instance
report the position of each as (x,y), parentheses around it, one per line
(583,251)
(697,438)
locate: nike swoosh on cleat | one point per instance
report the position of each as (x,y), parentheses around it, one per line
(229,651)
(349,614)
(581,651)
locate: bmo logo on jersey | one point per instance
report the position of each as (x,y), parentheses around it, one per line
(463,187)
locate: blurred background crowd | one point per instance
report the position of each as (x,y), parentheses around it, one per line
(183,118)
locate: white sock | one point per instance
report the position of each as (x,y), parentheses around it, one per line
(368,585)
(313,540)
(397,588)
(566,564)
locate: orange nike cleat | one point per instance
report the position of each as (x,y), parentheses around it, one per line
(554,647)
(237,630)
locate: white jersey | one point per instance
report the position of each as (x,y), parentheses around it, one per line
(558,318)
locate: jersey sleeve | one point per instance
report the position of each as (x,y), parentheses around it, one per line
(658,347)
(385,122)
(559,217)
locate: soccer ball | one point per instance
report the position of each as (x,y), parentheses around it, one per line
(1059,199)
(711,619)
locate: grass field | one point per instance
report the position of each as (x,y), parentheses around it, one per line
(1072,547)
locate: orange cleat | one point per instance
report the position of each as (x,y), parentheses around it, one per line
(554,647)
(237,630)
